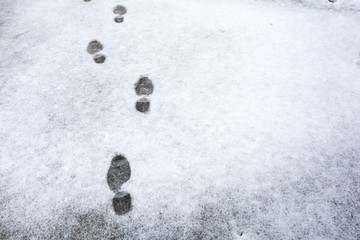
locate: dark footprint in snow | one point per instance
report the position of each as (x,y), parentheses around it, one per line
(119,173)
(120,10)
(144,86)
(93,47)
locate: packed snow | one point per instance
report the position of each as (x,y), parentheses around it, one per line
(253,130)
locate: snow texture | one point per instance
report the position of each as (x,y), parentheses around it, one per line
(253,133)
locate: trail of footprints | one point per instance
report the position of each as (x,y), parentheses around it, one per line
(119,171)
(95,46)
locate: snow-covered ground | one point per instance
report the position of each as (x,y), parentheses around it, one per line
(254,129)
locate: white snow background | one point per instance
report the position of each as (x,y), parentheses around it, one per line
(254,129)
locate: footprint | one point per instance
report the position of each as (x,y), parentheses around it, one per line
(143,105)
(93,47)
(144,86)
(122,203)
(87,0)
(120,10)
(119,173)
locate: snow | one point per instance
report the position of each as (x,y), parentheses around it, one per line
(253,133)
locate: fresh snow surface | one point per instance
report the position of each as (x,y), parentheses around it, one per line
(253,133)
